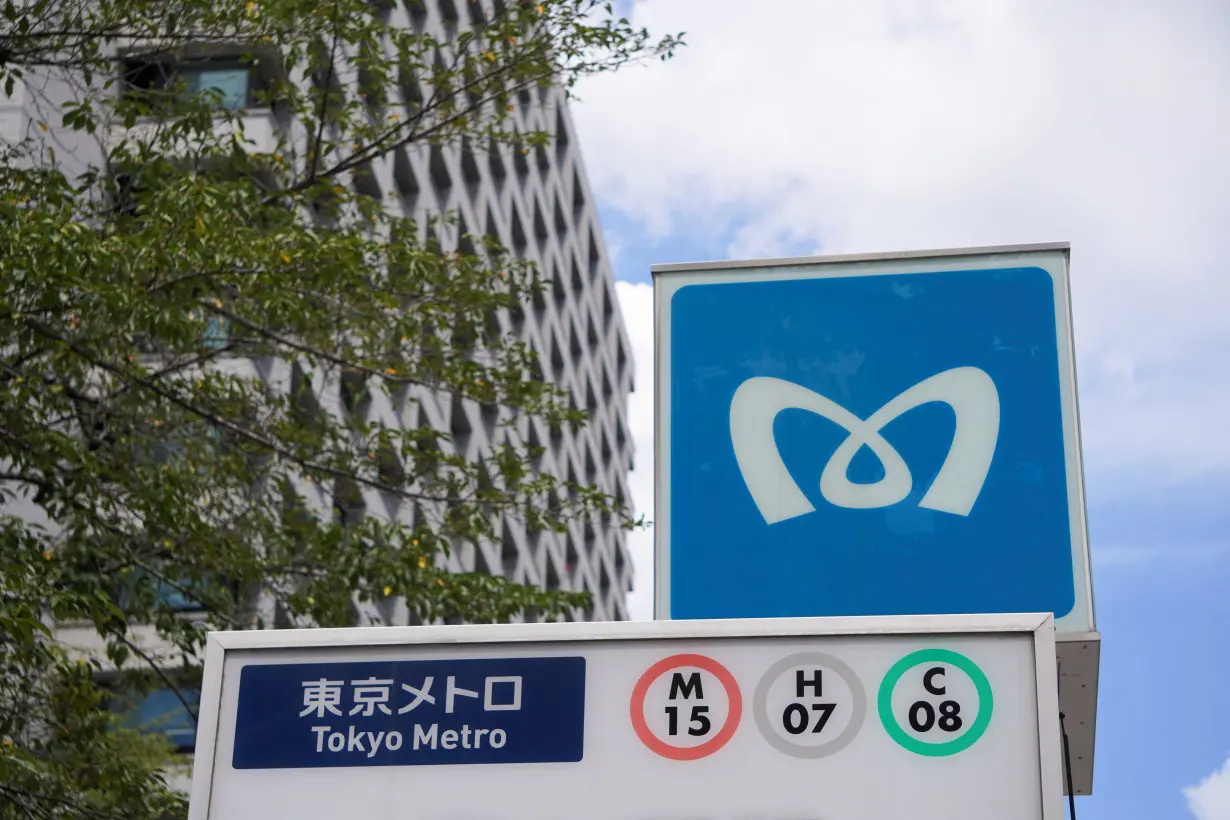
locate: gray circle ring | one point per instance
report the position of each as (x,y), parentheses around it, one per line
(760,707)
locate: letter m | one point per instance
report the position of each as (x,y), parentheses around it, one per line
(427,738)
(681,687)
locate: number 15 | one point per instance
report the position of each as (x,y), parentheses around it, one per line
(697,726)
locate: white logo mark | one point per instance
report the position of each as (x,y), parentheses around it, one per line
(967,390)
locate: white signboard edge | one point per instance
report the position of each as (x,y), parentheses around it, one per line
(1040,625)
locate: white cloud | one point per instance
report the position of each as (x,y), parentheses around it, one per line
(867,126)
(636,305)
(1210,798)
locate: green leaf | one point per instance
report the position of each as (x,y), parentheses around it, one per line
(198,328)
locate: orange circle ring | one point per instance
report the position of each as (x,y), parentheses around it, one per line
(733,714)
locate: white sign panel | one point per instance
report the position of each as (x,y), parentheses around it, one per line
(951,717)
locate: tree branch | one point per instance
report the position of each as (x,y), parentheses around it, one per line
(183,590)
(313,351)
(76,805)
(161,674)
(314,151)
(25,479)
(247,435)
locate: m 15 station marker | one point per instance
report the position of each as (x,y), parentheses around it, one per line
(933,717)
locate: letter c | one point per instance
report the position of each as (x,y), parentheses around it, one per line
(931,674)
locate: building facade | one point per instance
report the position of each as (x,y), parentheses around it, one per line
(539,205)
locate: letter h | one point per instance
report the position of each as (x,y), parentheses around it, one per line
(801,683)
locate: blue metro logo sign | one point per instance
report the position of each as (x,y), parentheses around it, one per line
(873,438)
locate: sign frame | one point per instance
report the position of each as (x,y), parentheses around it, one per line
(1039,626)
(1052,256)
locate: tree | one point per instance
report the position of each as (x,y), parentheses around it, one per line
(174,293)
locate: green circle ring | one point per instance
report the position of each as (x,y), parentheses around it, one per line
(913,744)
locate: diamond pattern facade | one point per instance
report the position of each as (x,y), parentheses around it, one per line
(537,203)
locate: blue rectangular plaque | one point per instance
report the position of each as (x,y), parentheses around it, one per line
(406,713)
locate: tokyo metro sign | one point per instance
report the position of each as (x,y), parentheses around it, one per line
(884,435)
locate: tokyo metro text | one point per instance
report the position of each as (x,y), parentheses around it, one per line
(399,713)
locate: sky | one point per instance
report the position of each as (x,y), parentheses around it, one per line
(797,127)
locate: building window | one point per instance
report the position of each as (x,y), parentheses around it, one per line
(217,332)
(232,80)
(229,81)
(176,593)
(161,712)
(177,597)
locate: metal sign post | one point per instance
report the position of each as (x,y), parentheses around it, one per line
(931,717)
(884,434)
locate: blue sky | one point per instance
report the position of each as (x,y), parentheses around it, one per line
(787,128)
